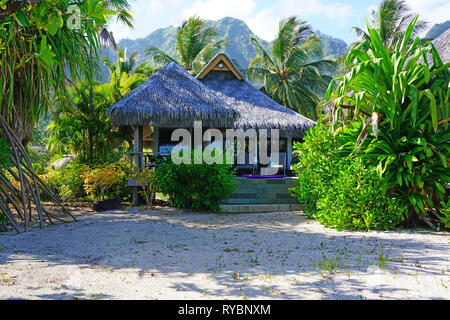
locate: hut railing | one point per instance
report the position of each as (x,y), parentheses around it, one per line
(140,160)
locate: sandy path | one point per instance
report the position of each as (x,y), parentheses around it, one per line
(164,254)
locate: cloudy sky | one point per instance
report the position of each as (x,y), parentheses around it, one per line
(333,17)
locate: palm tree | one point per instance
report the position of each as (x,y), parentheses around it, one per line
(195,46)
(292,73)
(128,64)
(390,20)
(72,125)
(121,9)
(125,76)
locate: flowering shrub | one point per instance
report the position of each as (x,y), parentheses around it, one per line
(147,180)
(97,181)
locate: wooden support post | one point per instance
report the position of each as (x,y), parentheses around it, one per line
(155,147)
(289,151)
(138,159)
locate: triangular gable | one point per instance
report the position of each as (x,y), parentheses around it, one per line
(220,63)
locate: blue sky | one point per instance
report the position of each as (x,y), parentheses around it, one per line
(333,17)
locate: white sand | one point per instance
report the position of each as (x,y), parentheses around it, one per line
(168,254)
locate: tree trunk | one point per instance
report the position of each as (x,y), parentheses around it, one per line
(91,109)
(24,194)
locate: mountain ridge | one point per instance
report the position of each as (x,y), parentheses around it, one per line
(234,31)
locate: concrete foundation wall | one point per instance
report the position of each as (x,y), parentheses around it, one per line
(262,191)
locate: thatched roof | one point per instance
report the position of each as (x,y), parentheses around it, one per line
(256,109)
(172,97)
(221,99)
(441,44)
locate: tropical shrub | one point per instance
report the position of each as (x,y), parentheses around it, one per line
(99,180)
(66,182)
(39,159)
(405,102)
(197,186)
(147,179)
(339,190)
(316,168)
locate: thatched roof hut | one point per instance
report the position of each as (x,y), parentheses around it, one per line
(256,109)
(220,97)
(172,97)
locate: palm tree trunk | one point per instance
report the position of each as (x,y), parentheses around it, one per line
(91,109)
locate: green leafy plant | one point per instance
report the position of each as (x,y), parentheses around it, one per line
(99,180)
(199,186)
(147,179)
(339,190)
(67,181)
(402,95)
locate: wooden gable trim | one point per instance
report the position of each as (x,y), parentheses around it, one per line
(213,65)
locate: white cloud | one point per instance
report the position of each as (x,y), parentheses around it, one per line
(154,6)
(433,11)
(264,22)
(217,9)
(336,11)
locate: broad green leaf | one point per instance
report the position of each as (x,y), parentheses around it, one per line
(414,96)
(433,110)
(443,159)
(408,32)
(54,23)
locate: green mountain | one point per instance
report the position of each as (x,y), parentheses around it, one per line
(437,30)
(332,47)
(234,31)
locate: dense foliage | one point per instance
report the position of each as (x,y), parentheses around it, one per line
(40,43)
(67,182)
(75,181)
(102,179)
(4,154)
(72,124)
(404,101)
(340,191)
(198,186)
